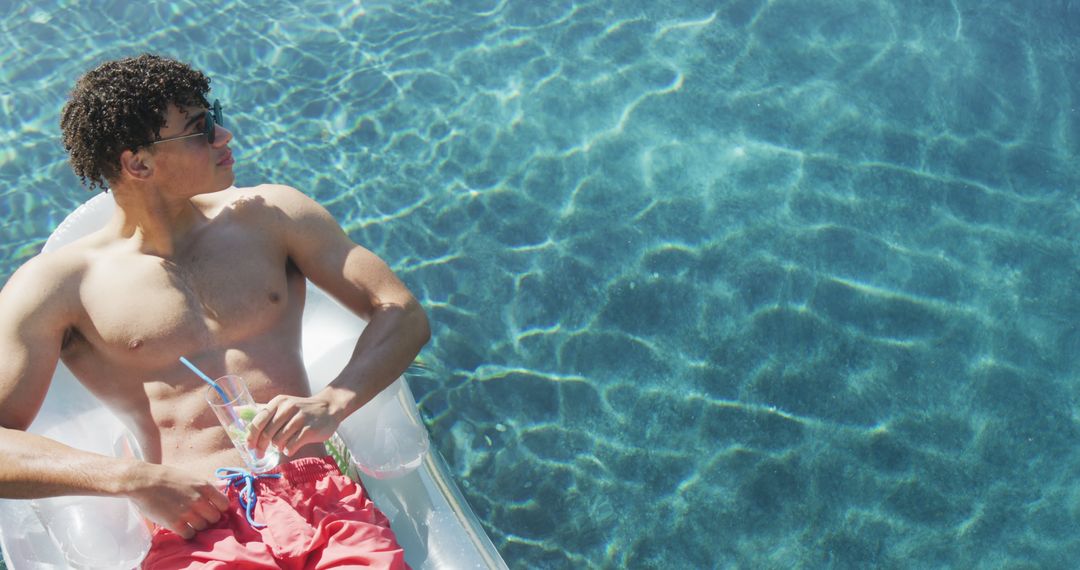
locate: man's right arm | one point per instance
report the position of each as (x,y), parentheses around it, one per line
(37,306)
(35,310)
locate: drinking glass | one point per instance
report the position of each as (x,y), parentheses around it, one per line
(235,412)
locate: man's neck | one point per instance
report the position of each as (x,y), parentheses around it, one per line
(160,223)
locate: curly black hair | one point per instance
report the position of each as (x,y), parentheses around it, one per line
(121,105)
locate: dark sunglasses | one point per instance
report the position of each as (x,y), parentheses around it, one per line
(213,118)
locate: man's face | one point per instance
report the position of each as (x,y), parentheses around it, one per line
(192,164)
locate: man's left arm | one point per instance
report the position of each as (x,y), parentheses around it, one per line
(397,326)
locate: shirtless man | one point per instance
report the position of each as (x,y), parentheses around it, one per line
(188,266)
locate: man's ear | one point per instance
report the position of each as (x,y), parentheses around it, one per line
(136,164)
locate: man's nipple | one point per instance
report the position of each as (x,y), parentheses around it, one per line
(135,343)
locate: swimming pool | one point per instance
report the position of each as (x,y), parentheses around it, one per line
(736,284)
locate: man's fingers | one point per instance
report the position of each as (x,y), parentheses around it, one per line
(271,430)
(181,528)
(288,422)
(261,420)
(197,522)
(258,425)
(208,512)
(203,513)
(284,438)
(284,412)
(218,499)
(295,442)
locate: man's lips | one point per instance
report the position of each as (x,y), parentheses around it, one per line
(227,160)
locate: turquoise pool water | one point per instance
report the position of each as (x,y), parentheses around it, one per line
(746,284)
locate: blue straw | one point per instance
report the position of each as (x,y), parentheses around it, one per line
(201,374)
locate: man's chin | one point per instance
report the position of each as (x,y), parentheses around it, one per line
(231,181)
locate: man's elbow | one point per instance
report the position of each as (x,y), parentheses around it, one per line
(418,324)
(408,322)
(17,417)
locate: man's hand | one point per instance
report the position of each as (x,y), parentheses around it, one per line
(177,500)
(291,422)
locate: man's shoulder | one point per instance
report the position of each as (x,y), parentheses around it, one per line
(59,265)
(48,277)
(294,215)
(267,191)
(278,198)
(280,195)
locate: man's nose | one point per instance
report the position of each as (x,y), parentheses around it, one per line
(222,136)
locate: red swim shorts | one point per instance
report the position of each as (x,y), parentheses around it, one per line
(315,518)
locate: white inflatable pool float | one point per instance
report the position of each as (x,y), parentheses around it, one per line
(389,446)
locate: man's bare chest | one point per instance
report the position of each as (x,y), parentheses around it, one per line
(215,295)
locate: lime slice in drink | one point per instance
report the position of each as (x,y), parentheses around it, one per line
(247,413)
